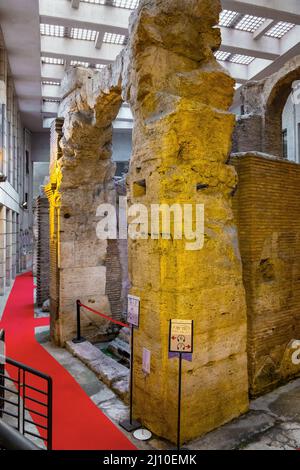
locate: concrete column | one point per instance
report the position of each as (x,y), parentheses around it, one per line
(8,247)
(14,245)
(17,244)
(2,250)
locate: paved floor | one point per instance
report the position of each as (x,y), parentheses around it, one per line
(273,422)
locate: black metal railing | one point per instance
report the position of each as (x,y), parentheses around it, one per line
(26,400)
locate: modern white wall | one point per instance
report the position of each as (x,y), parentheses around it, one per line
(291,122)
(40,143)
(122,145)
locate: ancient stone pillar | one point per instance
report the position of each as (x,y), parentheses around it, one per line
(81,179)
(180,97)
(8,247)
(42,255)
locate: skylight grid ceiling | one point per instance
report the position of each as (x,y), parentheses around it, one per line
(52,30)
(280,29)
(128,4)
(52,61)
(241,59)
(97,2)
(219,55)
(250,23)
(227,17)
(78,63)
(83,34)
(113,38)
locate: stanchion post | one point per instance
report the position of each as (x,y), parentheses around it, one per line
(79,338)
(131,376)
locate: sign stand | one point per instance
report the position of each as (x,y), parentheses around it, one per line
(144,434)
(180,343)
(179,401)
(133,318)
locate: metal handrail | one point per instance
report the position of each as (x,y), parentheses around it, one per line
(22,388)
(11,439)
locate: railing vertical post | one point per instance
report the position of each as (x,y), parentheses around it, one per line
(79,338)
(50,414)
(2,372)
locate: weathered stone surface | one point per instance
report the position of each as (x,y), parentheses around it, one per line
(86,352)
(115,409)
(108,370)
(180,96)
(120,348)
(103,396)
(121,388)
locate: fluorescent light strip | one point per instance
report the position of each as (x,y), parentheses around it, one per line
(100,66)
(280,29)
(227,17)
(113,38)
(52,30)
(51,100)
(250,23)
(83,34)
(50,82)
(52,61)
(78,63)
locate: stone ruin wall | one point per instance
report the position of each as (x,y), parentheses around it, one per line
(267,210)
(180,97)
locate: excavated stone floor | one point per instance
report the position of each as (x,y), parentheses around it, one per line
(273,422)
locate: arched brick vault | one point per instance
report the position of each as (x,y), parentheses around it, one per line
(260,129)
(179,96)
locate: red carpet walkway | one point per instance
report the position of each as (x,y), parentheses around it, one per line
(77,423)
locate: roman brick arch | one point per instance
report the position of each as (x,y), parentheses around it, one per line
(276,91)
(259,128)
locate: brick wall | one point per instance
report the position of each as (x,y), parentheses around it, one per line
(267,209)
(42,255)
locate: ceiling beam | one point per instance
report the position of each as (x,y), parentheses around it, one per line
(88,16)
(51,91)
(50,108)
(79,50)
(261,31)
(52,72)
(287,10)
(241,42)
(238,71)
